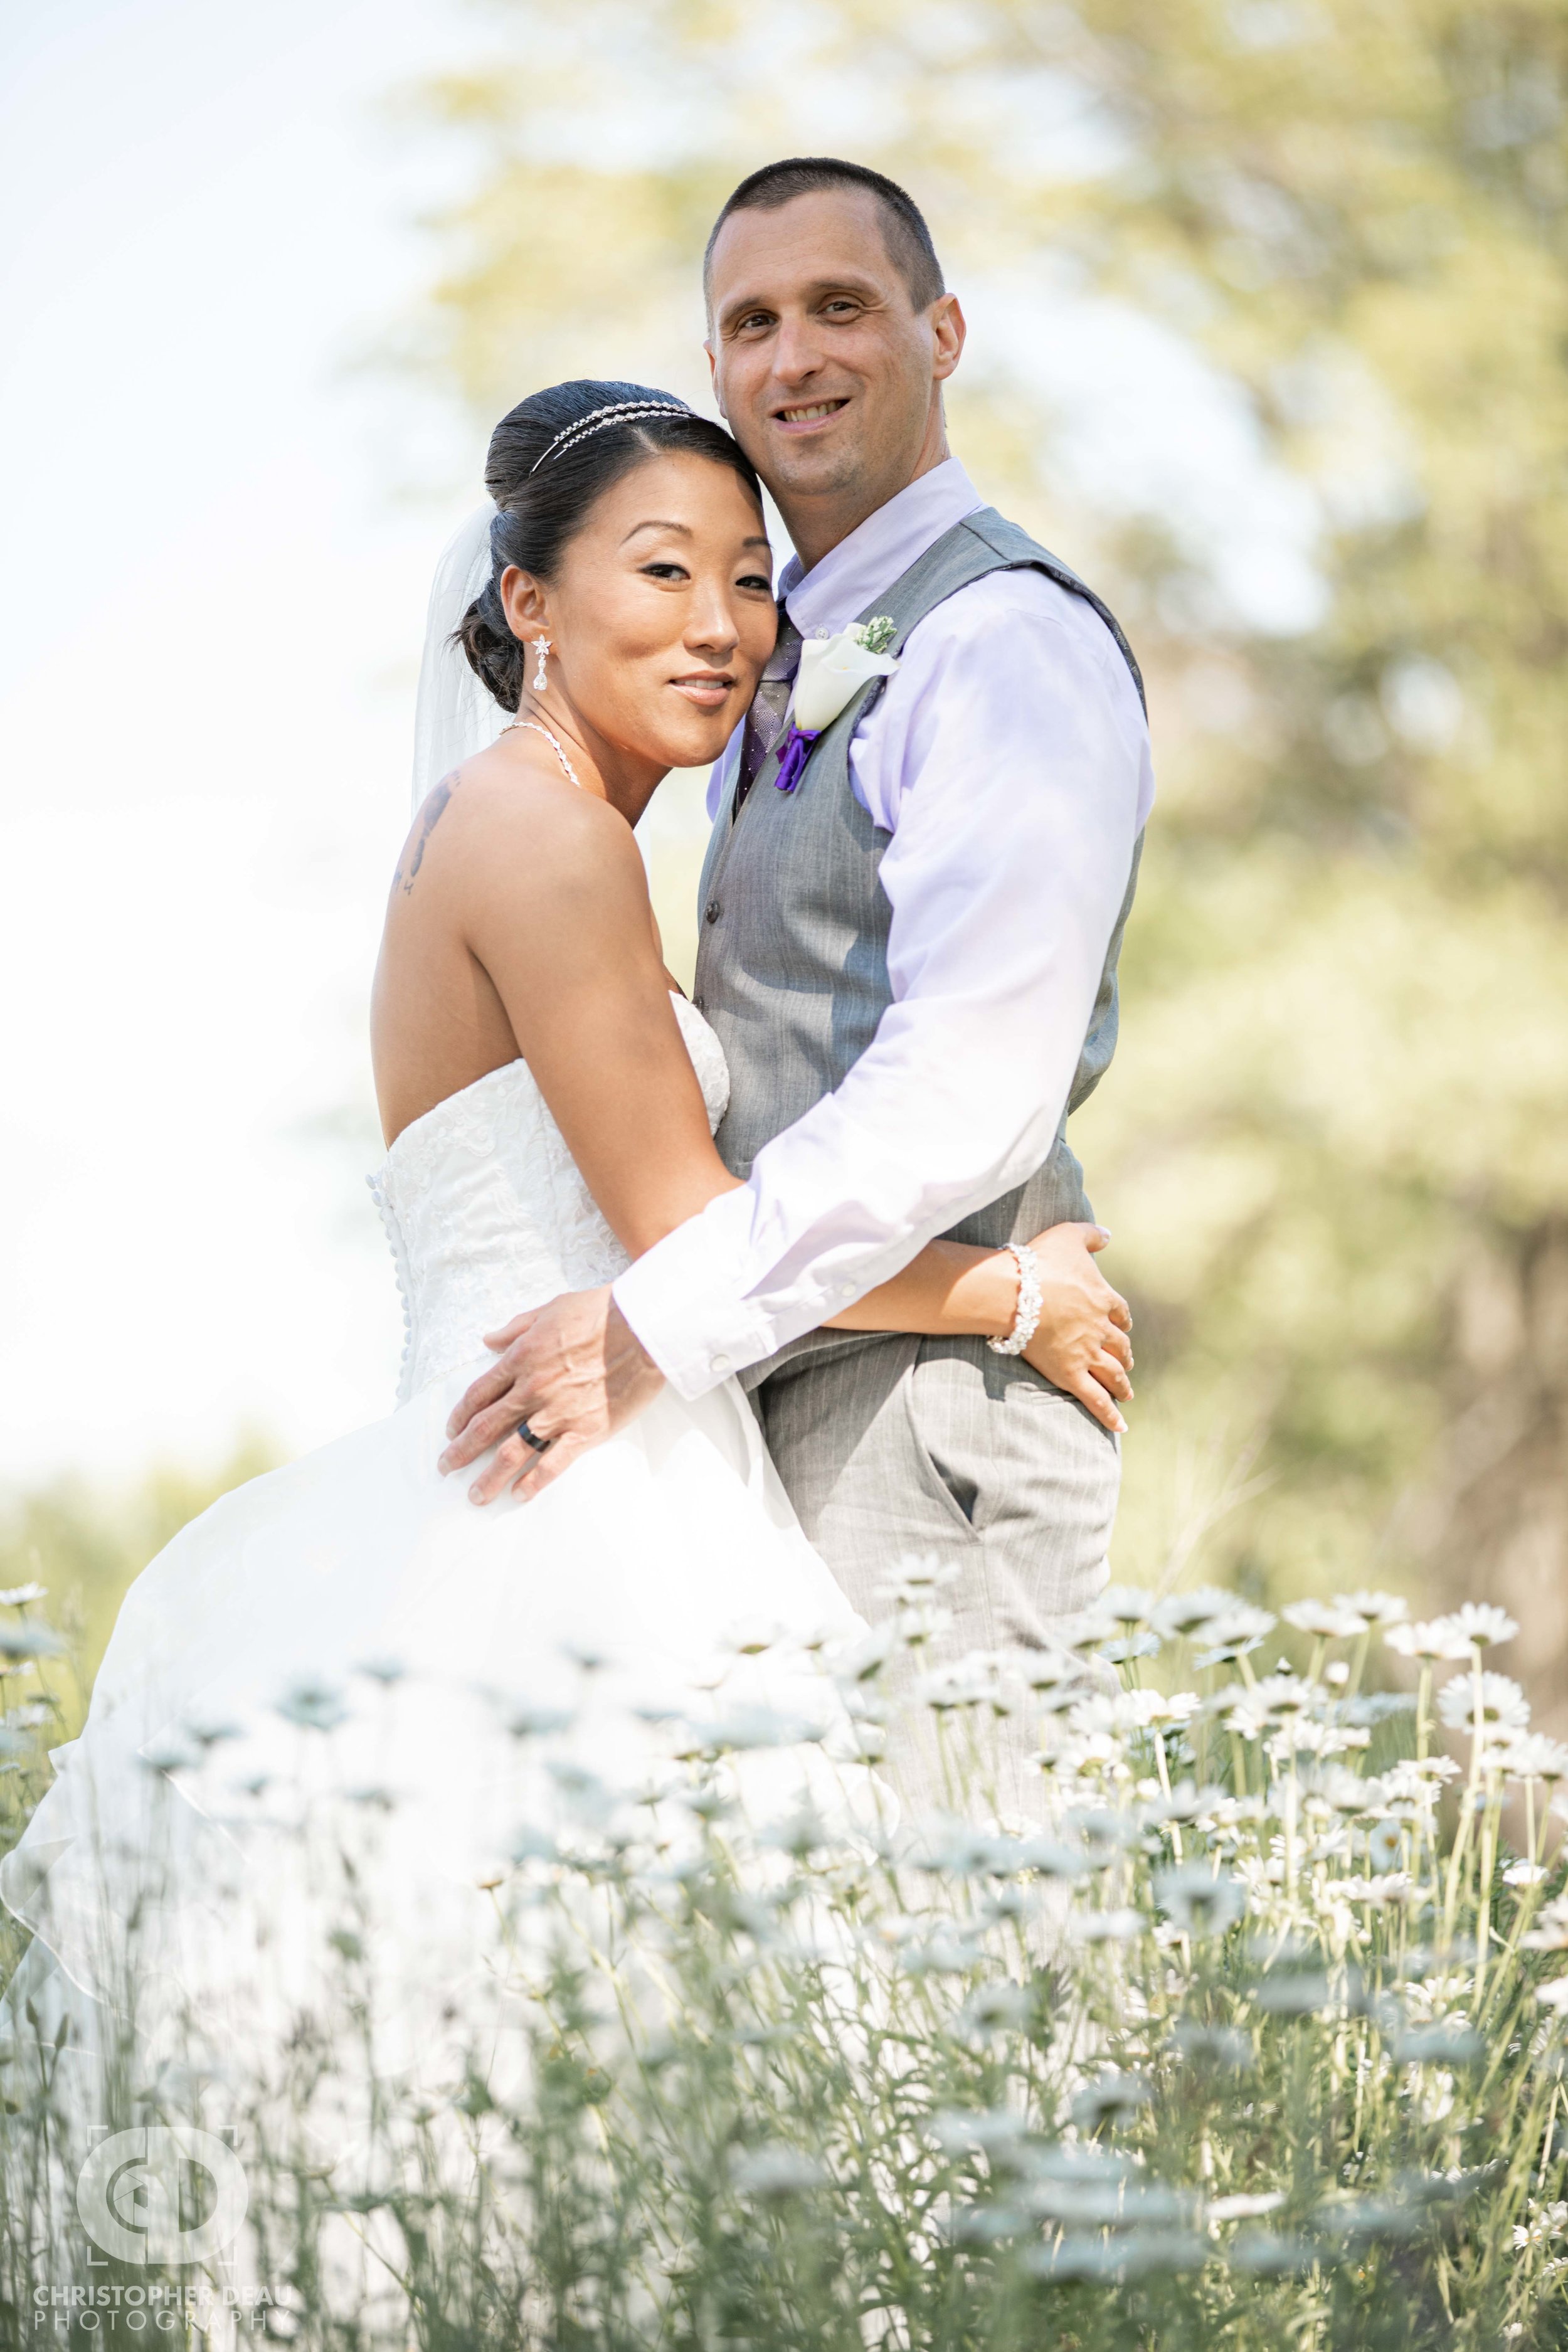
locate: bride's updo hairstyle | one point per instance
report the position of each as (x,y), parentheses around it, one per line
(550,460)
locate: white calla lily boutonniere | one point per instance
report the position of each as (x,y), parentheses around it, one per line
(831,672)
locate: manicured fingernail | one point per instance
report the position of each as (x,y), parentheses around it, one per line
(475,1495)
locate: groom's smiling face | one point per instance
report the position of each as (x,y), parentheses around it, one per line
(827,373)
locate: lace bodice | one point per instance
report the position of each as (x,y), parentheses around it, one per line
(487,1213)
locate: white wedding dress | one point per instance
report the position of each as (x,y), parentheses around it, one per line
(352,1626)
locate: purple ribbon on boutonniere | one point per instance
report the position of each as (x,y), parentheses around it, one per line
(794,756)
(831,672)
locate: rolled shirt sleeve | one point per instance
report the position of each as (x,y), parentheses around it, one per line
(1008,759)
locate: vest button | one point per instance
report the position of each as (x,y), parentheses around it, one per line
(701,1003)
(712,911)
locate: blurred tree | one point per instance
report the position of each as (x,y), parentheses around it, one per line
(1333,1147)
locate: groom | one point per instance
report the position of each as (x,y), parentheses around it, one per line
(909,959)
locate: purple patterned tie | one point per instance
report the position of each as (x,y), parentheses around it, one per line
(765,719)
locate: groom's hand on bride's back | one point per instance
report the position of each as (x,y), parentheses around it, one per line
(573,1371)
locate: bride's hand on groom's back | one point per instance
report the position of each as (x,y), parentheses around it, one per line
(1081,1342)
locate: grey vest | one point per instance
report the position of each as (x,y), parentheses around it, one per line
(792,961)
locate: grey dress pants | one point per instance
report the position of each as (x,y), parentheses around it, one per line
(888,1444)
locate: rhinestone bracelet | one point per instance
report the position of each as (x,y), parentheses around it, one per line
(1027,1320)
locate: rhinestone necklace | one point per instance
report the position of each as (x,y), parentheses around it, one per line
(539,730)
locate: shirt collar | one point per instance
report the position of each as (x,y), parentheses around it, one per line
(878,552)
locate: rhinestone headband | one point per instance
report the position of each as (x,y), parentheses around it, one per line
(621,413)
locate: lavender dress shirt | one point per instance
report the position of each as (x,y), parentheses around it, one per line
(1008,761)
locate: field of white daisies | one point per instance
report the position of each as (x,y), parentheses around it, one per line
(1252,2036)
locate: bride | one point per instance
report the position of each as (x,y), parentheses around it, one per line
(549,1099)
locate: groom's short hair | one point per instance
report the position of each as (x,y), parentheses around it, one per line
(907,239)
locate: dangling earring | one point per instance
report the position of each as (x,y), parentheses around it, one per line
(541,646)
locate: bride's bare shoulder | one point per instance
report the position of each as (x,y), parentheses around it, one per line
(503,824)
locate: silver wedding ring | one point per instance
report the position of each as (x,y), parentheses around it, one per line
(528,1437)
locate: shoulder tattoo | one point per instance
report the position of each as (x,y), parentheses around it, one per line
(434,810)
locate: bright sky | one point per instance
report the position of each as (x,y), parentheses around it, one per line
(211,604)
(212,596)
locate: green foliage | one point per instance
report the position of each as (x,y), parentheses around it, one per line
(84,1544)
(1332,1149)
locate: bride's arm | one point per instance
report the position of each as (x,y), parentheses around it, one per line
(549,894)
(552,901)
(1080,1342)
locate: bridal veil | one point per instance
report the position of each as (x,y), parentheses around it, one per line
(456,715)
